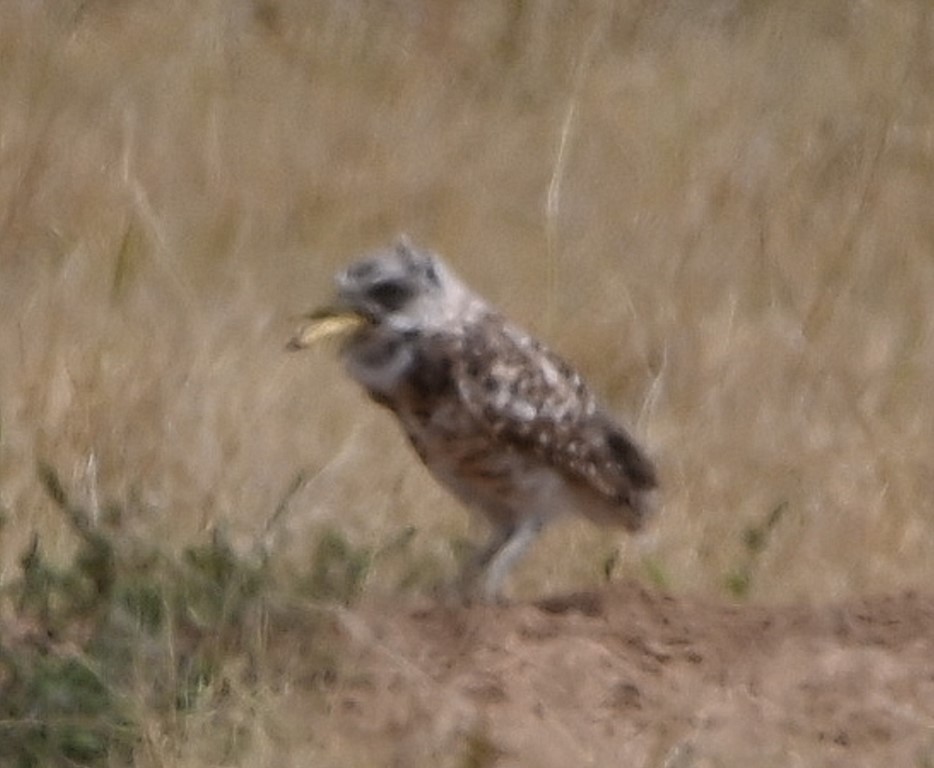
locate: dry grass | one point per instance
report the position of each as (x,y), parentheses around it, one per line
(720,210)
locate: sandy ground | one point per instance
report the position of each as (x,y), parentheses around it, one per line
(628,676)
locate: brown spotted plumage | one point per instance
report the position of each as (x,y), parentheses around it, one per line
(505,424)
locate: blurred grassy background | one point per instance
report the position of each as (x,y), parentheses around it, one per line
(720,210)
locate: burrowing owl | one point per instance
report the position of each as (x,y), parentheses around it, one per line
(505,424)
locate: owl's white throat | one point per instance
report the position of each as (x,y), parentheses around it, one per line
(379,360)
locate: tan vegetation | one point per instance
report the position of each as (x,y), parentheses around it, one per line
(720,210)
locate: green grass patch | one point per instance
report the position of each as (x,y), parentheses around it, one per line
(123,630)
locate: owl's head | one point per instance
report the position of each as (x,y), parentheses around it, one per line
(401,288)
(387,297)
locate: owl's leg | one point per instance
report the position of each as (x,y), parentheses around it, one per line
(502,558)
(476,565)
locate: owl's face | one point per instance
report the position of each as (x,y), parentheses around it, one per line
(389,302)
(399,289)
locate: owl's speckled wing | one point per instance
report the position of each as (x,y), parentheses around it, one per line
(527,397)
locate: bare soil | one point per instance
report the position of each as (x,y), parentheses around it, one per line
(631,676)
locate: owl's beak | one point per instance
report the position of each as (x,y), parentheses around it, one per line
(324,323)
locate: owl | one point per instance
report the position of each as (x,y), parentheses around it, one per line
(502,422)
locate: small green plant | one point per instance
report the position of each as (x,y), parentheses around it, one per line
(57,706)
(338,568)
(120,625)
(656,573)
(738,582)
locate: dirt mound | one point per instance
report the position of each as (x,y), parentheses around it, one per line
(629,676)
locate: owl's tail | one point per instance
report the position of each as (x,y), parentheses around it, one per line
(627,477)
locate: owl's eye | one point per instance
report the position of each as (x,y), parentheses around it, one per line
(390,294)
